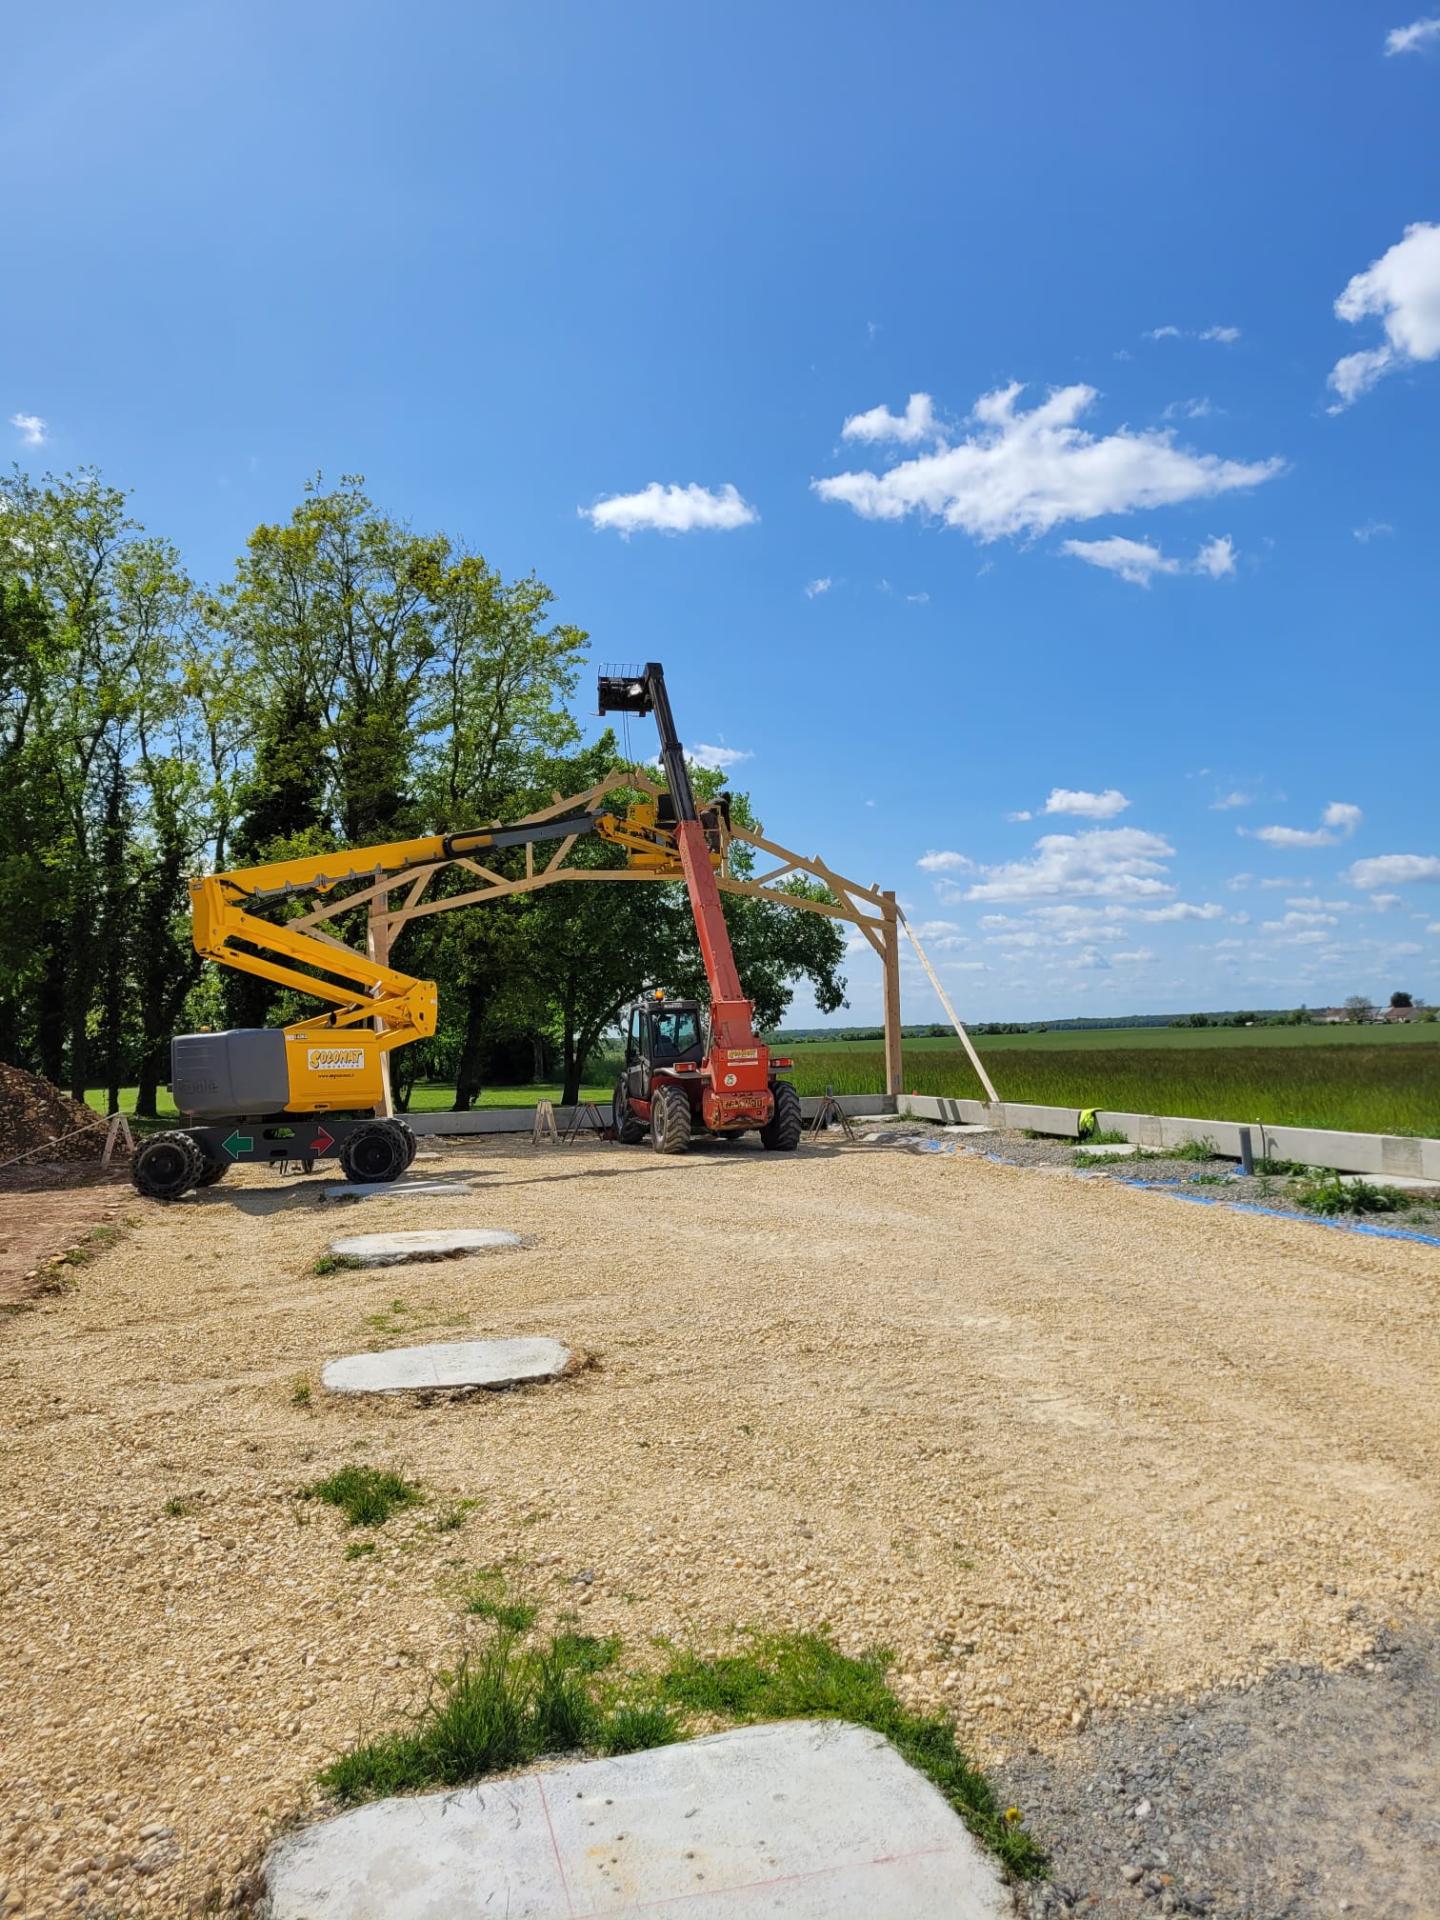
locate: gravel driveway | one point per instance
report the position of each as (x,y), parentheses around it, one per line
(1065,1446)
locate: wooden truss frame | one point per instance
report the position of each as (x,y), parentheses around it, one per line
(872,909)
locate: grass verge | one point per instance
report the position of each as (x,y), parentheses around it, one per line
(507,1704)
(1326,1193)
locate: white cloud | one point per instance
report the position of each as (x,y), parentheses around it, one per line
(1414,38)
(816,587)
(1339,821)
(1089,806)
(1216,558)
(1292,920)
(720,758)
(1402,289)
(1135,957)
(1372,530)
(1138,561)
(1393,870)
(1105,862)
(31,428)
(671,509)
(1197,409)
(1134,560)
(1181,910)
(918,599)
(1225,802)
(917,423)
(1381,902)
(1225,336)
(944,863)
(1027,472)
(1023,813)
(1434,927)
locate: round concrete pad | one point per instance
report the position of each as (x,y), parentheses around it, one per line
(460,1363)
(817,1820)
(423,1243)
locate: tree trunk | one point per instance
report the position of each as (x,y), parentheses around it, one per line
(467,1068)
(50,1016)
(153,1062)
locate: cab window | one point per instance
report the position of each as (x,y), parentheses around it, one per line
(676,1035)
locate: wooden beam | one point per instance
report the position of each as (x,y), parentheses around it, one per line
(890,959)
(955,1019)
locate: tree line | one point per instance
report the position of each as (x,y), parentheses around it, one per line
(351,681)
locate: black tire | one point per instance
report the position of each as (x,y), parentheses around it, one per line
(374,1154)
(210,1170)
(670,1121)
(628,1130)
(166,1166)
(781,1132)
(411,1143)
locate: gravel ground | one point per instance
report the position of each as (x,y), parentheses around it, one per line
(1312,1794)
(1065,1446)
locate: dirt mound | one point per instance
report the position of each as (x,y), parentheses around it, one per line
(34,1115)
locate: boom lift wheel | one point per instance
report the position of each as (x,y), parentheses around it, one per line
(781,1132)
(374,1153)
(166,1165)
(411,1143)
(628,1130)
(211,1170)
(670,1121)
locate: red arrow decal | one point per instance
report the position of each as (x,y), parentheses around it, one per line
(322,1142)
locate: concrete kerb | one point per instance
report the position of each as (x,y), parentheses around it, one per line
(522,1119)
(1376,1154)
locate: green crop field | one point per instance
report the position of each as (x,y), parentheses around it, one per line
(1369,1079)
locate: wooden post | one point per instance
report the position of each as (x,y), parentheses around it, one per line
(890,959)
(377,945)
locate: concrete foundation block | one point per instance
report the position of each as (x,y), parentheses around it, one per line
(455,1365)
(424,1243)
(816,1820)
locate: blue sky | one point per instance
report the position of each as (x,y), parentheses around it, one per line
(953,396)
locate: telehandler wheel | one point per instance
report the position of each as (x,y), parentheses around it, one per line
(374,1153)
(628,1130)
(781,1132)
(165,1166)
(670,1121)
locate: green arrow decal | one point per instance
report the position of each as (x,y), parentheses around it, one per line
(238,1143)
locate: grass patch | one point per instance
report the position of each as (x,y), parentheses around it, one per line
(1103,1137)
(358,1549)
(177,1506)
(365,1495)
(507,1704)
(1327,1194)
(336,1263)
(1209,1180)
(300,1393)
(450,1519)
(1202,1149)
(484,1598)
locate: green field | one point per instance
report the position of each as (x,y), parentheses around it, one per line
(1367,1079)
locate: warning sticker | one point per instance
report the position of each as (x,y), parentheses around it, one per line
(335,1059)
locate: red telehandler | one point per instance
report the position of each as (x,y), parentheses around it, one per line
(673,1083)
